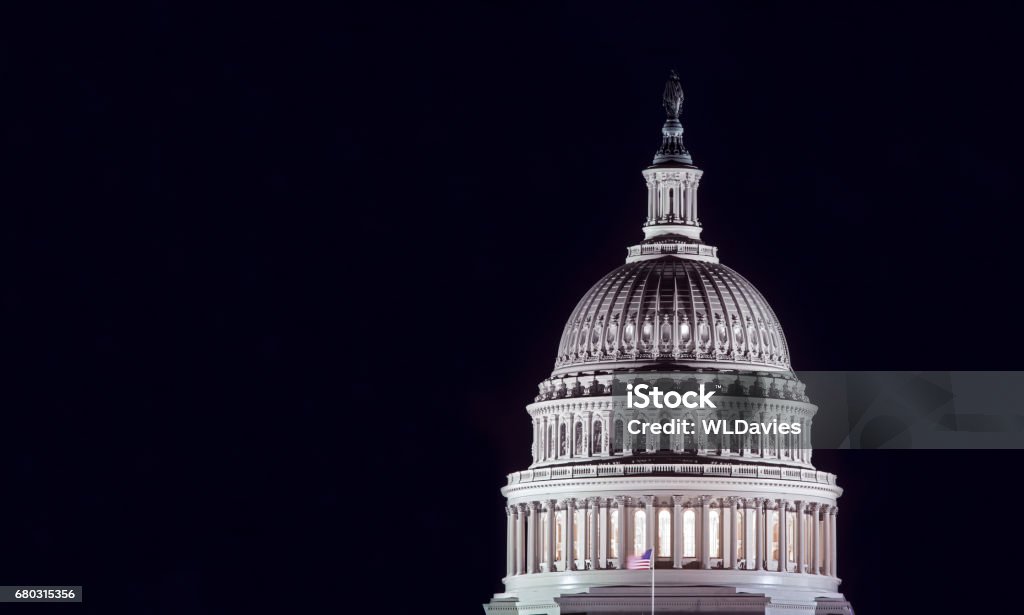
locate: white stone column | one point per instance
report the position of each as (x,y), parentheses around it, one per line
(510,541)
(533,522)
(557,436)
(783,563)
(815,538)
(761,441)
(759,521)
(826,537)
(536,441)
(520,537)
(749,535)
(730,560)
(800,542)
(833,552)
(705,532)
(650,505)
(569,550)
(588,431)
(544,438)
(570,436)
(594,520)
(622,502)
(552,535)
(677,531)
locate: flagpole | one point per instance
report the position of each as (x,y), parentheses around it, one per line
(652,582)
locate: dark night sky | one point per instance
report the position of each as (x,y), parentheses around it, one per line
(280,280)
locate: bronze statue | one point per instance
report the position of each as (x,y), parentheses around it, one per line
(672,100)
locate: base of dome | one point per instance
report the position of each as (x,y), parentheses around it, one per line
(673,599)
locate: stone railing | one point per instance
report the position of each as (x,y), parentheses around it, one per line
(677,469)
(673,248)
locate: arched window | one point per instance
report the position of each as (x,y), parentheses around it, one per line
(598,433)
(664,439)
(620,428)
(639,442)
(613,538)
(639,532)
(715,527)
(664,533)
(740,553)
(714,443)
(563,445)
(578,439)
(551,441)
(689,533)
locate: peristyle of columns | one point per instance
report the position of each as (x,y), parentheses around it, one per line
(529,552)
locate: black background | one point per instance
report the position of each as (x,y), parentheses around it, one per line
(279,279)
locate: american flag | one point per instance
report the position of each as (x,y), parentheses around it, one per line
(642,562)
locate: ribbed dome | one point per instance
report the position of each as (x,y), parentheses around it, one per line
(672,310)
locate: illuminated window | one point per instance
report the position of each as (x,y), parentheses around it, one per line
(773,522)
(740,553)
(613,539)
(664,533)
(715,527)
(689,533)
(639,532)
(609,338)
(704,333)
(790,536)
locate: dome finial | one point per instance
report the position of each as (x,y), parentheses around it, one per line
(672,149)
(672,100)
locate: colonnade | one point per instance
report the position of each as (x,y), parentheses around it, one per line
(586,434)
(702,532)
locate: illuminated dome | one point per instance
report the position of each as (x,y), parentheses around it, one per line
(672,310)
(730,521)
